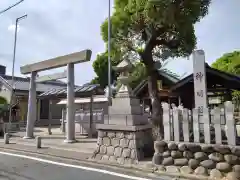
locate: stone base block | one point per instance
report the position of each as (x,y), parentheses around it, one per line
(127,120)
(69,141)
(123,145)
(28,137)
(126,111)
(212,160)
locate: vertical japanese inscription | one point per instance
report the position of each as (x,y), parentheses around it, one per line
(200,109)
(199,74)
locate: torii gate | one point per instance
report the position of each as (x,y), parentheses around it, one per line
(69,60)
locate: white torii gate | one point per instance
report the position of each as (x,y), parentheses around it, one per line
(69,60)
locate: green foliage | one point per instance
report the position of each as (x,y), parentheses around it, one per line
(149,30)
(95,80)
(3,105)
(138,74)
(151,24)
(3,100)
(229,62)
(100,66)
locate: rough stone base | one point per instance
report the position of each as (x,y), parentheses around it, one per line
(215,161)
(124,146)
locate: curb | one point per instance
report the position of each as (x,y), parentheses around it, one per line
(88,161)
(186,176)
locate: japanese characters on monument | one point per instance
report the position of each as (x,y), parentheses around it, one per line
(200,85)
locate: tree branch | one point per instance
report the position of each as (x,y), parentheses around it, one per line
(154,33)
(172,44)
(131,48)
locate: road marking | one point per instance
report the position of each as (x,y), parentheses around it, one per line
(75,166)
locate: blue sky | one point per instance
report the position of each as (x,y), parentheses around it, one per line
(58,27)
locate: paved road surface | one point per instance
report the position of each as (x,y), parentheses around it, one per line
(18,168)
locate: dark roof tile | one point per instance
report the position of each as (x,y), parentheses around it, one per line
(81,89)
(22,84)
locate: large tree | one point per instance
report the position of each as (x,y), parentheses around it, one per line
(229,62)
(155,30)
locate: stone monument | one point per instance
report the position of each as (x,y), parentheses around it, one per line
(200,85)
(125,109)
(126,135)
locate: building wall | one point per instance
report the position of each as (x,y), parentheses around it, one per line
(4,92)
(23,105)
(96,105)
(82,116)
(42,107)
(42,112)
(56,112)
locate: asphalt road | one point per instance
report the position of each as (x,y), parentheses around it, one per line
(18,168)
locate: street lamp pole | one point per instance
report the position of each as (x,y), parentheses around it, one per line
(109,54)
(13,67)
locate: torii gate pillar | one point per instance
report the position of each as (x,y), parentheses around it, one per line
(32,108)
(70,135)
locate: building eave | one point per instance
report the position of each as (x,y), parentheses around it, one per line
(5,83)
(227,76)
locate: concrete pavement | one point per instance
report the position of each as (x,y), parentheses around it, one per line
(54,147)
(25,169)
(19,167)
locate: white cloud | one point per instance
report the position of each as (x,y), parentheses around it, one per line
(12,28)
(59,27)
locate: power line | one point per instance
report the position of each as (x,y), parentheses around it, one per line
(10,7)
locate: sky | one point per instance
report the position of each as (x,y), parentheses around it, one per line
(58,27)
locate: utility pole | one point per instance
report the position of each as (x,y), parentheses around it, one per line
(10,106)
(109,54)
(13,67)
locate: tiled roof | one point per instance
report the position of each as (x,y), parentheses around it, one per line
(22,84)
(162,72)
(82,89)
(169,75)
(233,81)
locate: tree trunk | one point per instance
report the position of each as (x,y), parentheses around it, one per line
(157,112)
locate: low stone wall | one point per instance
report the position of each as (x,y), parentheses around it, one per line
(124,147)
(216,161)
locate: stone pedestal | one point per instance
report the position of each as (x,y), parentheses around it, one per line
(126,111)
(122,144)
(125,137)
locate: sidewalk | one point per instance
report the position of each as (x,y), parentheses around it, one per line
(80,158)
(54,141)
(53,146)
(79,152)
